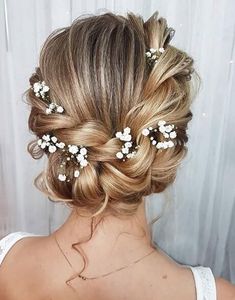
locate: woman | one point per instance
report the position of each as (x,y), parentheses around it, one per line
(110,104)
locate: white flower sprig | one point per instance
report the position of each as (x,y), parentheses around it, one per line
(153,55)
(165,130)
(125,151)
(53,107)
(50,142)
(74,153)
(41,90)
(80,153)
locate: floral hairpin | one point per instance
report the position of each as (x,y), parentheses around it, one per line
(153,55)
(41,90)
(50,143)
(73,154)
(126,151)
(165,130)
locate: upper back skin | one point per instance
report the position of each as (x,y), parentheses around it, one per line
(34,269)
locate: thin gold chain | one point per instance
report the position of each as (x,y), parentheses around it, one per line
(103,275)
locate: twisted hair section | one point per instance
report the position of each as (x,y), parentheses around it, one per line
(96,70)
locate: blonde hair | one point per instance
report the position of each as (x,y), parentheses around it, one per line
(96,69)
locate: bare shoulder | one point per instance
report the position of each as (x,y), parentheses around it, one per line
(225,289)
(178,276)
(21,259)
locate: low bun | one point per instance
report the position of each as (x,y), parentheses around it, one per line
(96,70)
(104,175)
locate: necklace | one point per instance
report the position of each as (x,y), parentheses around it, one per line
(103,275)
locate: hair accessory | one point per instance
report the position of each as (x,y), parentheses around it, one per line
(153,55)
(41,90)
(125,151)
(73,154)
(165,130)
(50,143)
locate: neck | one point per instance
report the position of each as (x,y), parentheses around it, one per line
(114,241)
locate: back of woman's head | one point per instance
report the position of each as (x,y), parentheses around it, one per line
(96,70)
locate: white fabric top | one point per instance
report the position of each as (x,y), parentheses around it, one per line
(203,276)
(8,241)
(205,283)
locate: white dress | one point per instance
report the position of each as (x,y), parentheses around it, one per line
(203,276)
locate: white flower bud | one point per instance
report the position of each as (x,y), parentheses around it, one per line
(148,54)
(46,137)
(54,139)
(43,145)
(170,144)
(45,88)
(119,134)
(73,149)
(60,109)
(48,111)
(166,135)
(173,135)
(83,163)
(52,105)
(159,145)
(145,131)
(62,177)
(83,151)
(161,123)
(119,155)
(168,128)
(52,149)
(128,144)
(80,157)
(125,150)
(60,145)
(76,173)
(127,130)
(162,129)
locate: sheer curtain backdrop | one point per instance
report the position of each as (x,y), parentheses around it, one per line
(198,225)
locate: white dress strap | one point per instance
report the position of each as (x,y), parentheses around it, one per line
(205,283)
(8,241)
